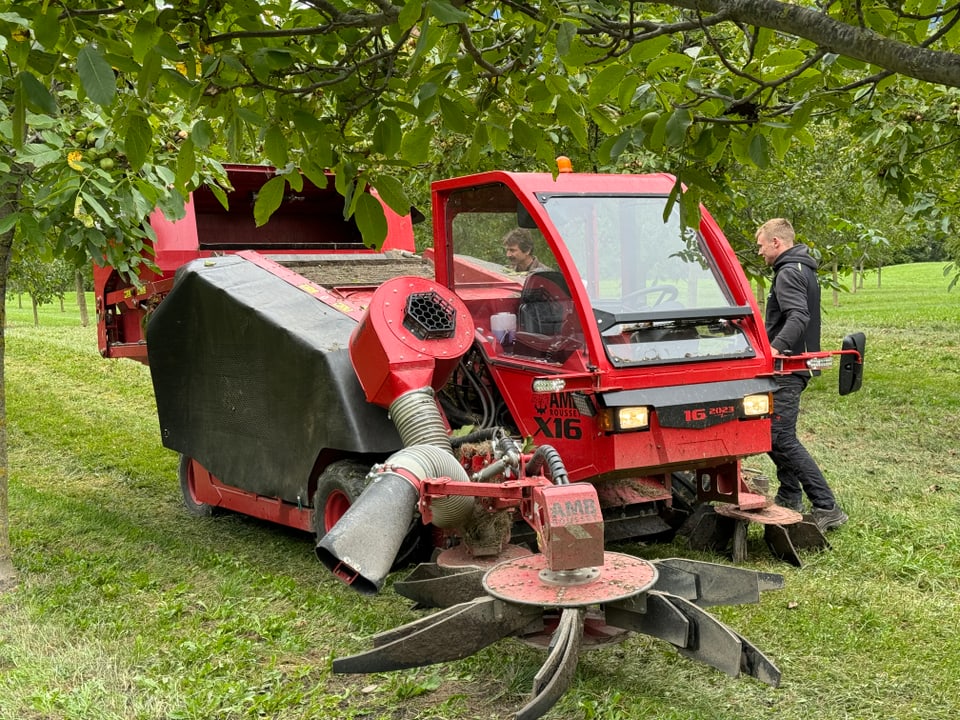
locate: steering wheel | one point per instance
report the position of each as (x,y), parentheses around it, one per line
(667,293)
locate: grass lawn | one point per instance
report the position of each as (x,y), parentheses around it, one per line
(128,608)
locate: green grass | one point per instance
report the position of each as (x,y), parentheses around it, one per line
(128,608)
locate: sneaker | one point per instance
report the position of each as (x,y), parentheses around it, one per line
(795,505)
(829,519)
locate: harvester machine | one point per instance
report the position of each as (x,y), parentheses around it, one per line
(510,424)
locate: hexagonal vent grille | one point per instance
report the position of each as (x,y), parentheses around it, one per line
(429,316)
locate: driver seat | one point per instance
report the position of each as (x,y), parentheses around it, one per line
(544,303)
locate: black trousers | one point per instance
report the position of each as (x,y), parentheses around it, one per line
(797,471)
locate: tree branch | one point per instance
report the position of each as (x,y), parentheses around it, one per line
(835,36)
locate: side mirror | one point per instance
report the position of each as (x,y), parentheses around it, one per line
(851,366)
(524,218)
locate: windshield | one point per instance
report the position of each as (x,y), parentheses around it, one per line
(655,293)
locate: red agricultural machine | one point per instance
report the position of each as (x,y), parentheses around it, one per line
(512,424)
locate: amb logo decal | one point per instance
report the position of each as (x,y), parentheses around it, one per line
(556,416)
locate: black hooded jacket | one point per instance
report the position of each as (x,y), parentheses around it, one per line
(793,308)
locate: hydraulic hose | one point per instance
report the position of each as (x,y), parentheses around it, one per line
(546,454)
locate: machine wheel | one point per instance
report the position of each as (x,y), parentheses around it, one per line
(739,547)
(188,489)
(685,502)
(338,487)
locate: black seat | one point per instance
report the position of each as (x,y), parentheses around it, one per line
(544,303)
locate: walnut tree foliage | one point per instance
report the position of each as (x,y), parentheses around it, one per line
(153,94)
(109,108)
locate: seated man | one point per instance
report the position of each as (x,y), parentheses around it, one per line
(518,244)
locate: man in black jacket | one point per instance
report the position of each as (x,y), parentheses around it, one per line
(793,326)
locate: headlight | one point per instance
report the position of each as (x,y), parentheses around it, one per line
(626,419)
(548,385)
(756,405)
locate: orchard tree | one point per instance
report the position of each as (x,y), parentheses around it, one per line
(109,108)
(42,280)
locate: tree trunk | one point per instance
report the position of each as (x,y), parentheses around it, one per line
(82,300)
(36,311)
(879,272)
(8,574)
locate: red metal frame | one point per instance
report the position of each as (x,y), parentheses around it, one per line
(211,491)
(123,306)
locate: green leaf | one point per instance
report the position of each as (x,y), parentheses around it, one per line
(36,94)
(409,14)
(524,135)
(759,152)
(391,191)
(275,147)
(453,116)
(784,58)
(295,180)
(202,134)
(149,72)
(186,164)
(145,35)
(137,140)
(8,222)
(572,119)
(603,85)
(388,134)
(314,173)
(601,116)
(649,49)
(219,194)
(46,28)
(268,199)
(669,61)
(39,154)
(415,146)
(96,76)
(566,32)
(92,201)
(371,220)
(676,127)
(446,14)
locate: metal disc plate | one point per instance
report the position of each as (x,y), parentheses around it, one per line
(770,515)
(459,558)
(519,581)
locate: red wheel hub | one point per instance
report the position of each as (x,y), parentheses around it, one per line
(338,502)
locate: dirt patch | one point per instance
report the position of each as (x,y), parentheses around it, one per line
(384,698)
(360,270)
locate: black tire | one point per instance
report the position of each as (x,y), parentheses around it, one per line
(188,490)
(739,544)
(685,503)
(338,487)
